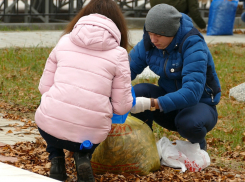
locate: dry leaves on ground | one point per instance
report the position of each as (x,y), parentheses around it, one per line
(32,156)
(17,112)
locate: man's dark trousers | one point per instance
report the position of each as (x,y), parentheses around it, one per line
(191,123)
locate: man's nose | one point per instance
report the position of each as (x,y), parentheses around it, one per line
(153,38)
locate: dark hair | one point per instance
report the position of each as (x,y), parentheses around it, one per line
(108,8)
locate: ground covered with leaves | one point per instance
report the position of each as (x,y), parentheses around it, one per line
(21,70)
(32,156)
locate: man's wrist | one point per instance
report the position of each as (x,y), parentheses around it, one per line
(152,108)
(156,104)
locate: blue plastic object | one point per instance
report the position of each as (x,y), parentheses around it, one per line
(243,17)
(120,119)
(221,17)
(86,145)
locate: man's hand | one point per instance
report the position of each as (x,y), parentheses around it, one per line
(142,104)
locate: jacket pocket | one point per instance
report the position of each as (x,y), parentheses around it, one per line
(175,72)
(211,86)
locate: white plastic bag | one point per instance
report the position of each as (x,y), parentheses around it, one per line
(184,155)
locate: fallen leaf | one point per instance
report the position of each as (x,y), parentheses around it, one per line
(10,131)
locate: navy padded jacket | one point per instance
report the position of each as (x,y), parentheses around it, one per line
(188,76)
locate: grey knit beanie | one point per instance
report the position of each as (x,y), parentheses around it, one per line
(163,19)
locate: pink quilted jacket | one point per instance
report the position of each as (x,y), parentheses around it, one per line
(86,78)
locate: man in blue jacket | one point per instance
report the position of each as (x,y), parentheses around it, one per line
(188,88)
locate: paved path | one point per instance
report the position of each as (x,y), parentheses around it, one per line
(9,173)
(50,38)
(12,131)
(9,132)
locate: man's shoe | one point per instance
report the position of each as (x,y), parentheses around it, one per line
(205,145)
(58,169)
(83,166)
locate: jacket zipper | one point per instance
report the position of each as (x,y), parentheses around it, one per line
(165,64)
(176,84)
(211,94)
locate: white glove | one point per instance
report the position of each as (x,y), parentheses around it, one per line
(142,104)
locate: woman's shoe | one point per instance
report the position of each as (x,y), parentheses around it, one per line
(83,166)
(58,169)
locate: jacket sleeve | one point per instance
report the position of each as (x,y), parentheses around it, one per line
(195,59)
(137,59)
(195,13)
(47,79)
(121,96)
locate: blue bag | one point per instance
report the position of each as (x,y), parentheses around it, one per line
(120,119)
(221,17)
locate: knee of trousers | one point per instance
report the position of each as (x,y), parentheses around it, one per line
(141,90)
(193,131)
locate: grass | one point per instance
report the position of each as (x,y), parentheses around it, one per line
(20,73)
(21,69)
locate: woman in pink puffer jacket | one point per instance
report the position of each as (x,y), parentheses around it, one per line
(86,79)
